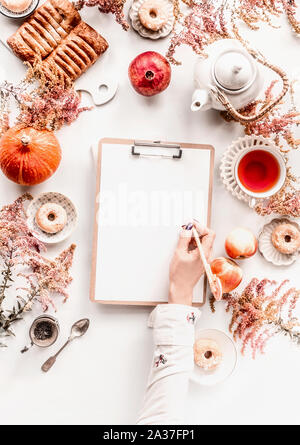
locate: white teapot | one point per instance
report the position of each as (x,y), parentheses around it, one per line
(228,69)
(229,79)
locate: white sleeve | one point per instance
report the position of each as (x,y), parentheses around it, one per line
(173,360)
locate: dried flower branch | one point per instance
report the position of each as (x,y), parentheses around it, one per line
(22,305)
(209,21)
(290,8)
(107,6)
(50,107)
(8,91)
(201,27)
(44,102)
(264,309)
(19,249)
(276,124)
(51,276)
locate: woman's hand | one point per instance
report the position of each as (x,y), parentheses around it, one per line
(186,266)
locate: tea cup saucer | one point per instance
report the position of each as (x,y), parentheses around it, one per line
(266,248)
(227,365)
(57,198)
(230,158)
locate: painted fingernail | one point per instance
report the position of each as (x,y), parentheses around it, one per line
(189,226)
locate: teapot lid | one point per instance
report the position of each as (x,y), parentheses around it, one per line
(233,70)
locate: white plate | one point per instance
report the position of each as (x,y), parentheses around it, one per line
(57,198)
(148,33)
(229,360)
(20,15)
(266,248)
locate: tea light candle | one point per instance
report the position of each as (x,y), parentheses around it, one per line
(16,5)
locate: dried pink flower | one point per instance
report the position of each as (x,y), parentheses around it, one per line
(258,313)
(51,276)
(50,107)
(209,20)
(203,25)
(107,6)
(19,249)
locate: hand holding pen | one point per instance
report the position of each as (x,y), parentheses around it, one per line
(187,266)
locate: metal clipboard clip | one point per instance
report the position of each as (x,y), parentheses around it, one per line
(155,144)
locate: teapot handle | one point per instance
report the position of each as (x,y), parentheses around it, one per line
(220,95)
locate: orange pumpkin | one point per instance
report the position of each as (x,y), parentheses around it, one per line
(29,156)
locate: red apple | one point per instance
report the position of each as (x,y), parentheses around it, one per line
(241,243)
(229,273)
(149,73)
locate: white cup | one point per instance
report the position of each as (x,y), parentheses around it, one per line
(255,196)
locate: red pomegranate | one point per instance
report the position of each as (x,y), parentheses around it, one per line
(149,73)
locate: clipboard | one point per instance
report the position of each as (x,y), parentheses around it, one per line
(132,249)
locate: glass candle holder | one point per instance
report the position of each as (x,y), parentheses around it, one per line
(43,332)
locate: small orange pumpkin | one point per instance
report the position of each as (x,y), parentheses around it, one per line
(29,156)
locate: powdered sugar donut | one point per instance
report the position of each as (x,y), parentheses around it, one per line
(16,5)
(51,217)
(286,238)
(207,354)
(154,14)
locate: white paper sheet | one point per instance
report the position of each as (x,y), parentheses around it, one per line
(143,203)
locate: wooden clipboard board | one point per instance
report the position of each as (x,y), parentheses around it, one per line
(133,144)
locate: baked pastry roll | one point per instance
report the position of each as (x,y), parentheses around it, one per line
(78,51)
(44,30)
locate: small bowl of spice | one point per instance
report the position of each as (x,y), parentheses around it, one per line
(43,332)
(18,9)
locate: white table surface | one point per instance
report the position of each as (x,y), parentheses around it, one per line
(100,379)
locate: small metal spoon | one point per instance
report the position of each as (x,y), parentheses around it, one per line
(78,329)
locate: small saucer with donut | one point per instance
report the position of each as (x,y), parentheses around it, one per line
(152,19)
(18,9)
(279,241)
(215,357)
(52,217)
